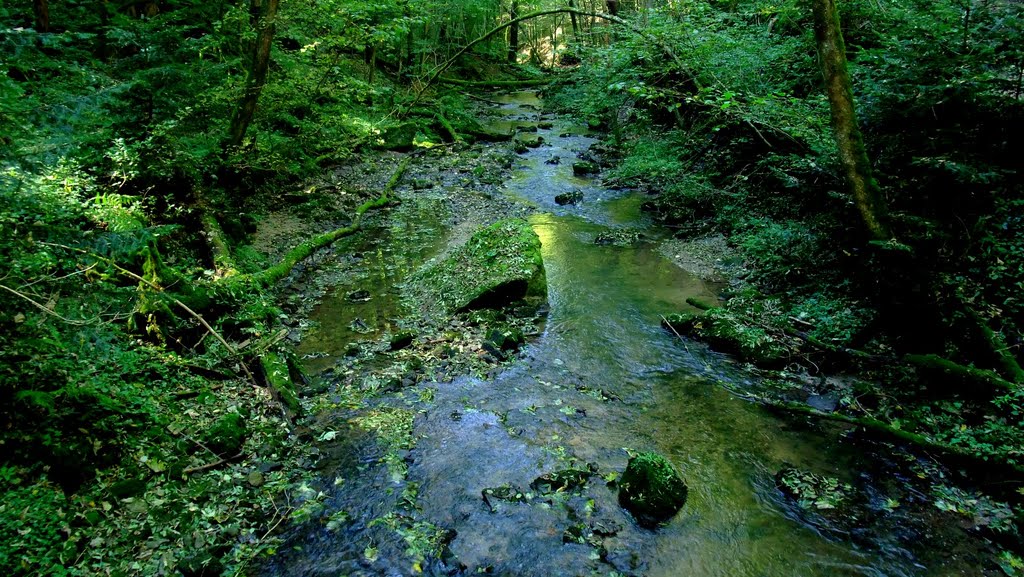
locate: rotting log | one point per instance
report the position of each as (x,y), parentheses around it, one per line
(282,269)
(220,251)
(1007,362)
(279,381)
(990,381)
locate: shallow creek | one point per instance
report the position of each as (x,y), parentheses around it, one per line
(603,377)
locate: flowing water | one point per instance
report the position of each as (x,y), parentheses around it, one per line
(603,378)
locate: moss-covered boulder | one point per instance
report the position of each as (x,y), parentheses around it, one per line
(227,435)
(651,489)
(584,168)
(726,333)
(499,265)
(398,137)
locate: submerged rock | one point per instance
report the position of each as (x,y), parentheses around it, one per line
(574,197)
(651,489)
(564,480)
(499,265)
(584,168)
(618,238)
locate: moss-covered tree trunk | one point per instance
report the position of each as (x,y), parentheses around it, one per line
(575,24)
(854,158)
(513,33)
(264,12)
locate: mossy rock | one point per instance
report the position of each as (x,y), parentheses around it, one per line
(499,265)
(398,137)
(651,489)
(584,168)
(728,334)
(503,342)
(401,340)
(227,435)
(574,197)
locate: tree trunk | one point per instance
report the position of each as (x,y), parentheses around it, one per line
(575,25)
(854,158)
(513,33)
(265,12)
(613,7)
(42,10)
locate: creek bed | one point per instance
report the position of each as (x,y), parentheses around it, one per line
(601,380)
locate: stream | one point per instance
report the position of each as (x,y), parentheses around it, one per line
(602,379)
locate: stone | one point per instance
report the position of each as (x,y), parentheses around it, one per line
(401,340)
(227,435)
(651,489)
(574,197)
(584,168)
(499,265)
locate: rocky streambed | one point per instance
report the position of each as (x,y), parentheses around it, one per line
(483,433)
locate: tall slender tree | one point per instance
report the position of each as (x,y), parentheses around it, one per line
(513,33)
(867,195)
(263,13)
(42,11)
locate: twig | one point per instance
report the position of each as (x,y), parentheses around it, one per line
(673,329)
(46,309)
(214,465)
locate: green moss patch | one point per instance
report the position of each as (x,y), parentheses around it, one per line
(499,265)
(727,333)
(651,489)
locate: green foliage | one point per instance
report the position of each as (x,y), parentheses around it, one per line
(814,492)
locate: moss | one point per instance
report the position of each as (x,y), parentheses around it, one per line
(227,435)
(584,168)
(279,380)
(499,265)
(726,333)
(651,489)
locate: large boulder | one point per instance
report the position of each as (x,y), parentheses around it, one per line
(651,489)
(499,265)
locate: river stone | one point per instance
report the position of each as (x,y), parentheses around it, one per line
(651,489)
(584,168)
(574,197)
(499,265)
